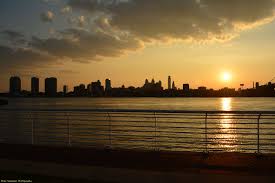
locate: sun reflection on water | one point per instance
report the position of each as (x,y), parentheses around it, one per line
(226,104)
(227,137)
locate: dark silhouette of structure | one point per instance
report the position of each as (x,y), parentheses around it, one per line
(51,87)
(80,90)
(35,86)
(185,88)
(97,89)
(169,83)
(149,89)
(257,85)
(15,86)
(65,90)
(108,85)
(174,86)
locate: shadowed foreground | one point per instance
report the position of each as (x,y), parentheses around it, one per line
(133,166)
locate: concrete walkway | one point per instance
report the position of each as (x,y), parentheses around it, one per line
(135,166)
(92,173)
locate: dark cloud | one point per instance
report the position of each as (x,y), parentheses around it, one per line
(76,45)
(182,19)
(14,37)
(82,45)
(21,58)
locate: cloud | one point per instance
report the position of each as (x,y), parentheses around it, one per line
(202,20)
(22,58)
(66,9)
(77,45)
(79,21)
(121,26)
(15,38)
(83,46)
(47,16)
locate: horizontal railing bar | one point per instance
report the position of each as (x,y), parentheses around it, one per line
(172,137)
(161,141)
(136,111)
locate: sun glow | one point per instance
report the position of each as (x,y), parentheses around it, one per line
(226,76)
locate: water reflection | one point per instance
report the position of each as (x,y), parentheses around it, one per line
(227,128)
(226,104)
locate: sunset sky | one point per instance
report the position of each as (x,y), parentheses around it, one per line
(194,41)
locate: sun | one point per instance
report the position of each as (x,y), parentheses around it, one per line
(226,76)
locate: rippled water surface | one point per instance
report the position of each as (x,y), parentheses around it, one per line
(177,132)
(146,103)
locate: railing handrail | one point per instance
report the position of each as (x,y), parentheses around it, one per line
(137,111)
(159,136)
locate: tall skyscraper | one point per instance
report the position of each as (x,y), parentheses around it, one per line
(108,85)
(174,86)
(169,83)
(34,85)
(50,87)
(15,85)
(65,89)
(97,89)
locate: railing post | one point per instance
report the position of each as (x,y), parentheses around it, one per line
(205,132)
(258,133)
(110,130)
(68,130)
(155,131)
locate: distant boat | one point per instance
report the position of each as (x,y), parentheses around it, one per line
(4,102)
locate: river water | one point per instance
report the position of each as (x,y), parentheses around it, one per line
(243,104)
(177,132)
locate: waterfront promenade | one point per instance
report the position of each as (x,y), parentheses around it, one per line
(108,145)
(135,166)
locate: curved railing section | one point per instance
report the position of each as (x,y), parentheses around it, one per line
(156,130)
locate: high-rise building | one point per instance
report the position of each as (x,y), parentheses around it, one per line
(35,85)
(89,89)
(65,89)
(169,83)
(80,90)
(257,85)
(15,85)
(108,85)
(50,87)
(185,88)
(97,89)
(174,86)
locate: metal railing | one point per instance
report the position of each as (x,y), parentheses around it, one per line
(174,130)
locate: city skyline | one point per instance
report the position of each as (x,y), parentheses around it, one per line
(151,88)
(26,82)
(79,41)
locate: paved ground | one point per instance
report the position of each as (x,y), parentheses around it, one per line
(58,164)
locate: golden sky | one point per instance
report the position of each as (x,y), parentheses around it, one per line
(194,41)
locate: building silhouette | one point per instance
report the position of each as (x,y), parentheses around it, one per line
(108,85)
(149,89)
(80,90)
(35,86)
(174,86)
(185,88)
(257,85)
(65,90)
(169,83)
(97,89)
(15,85)
(50,87)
